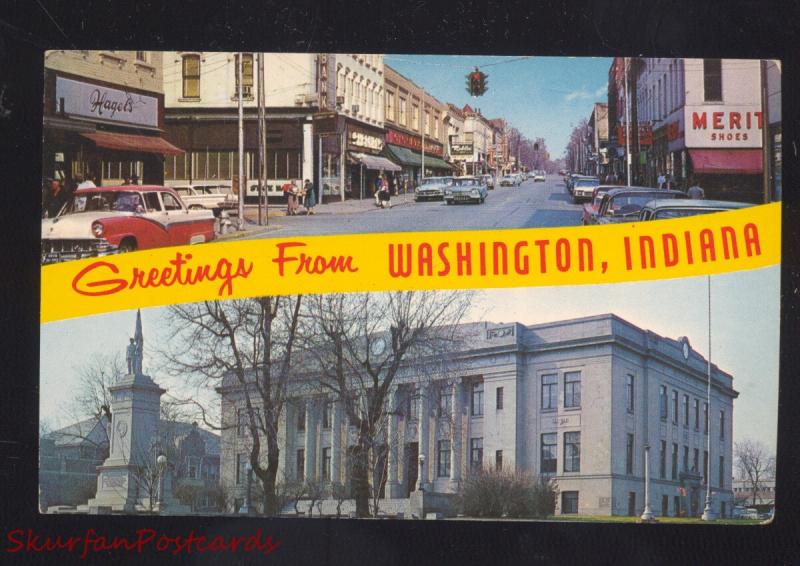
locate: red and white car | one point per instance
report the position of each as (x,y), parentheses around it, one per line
(106,220)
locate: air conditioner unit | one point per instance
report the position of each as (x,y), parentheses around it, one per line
(354,109)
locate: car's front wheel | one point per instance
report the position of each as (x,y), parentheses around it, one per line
(127,245)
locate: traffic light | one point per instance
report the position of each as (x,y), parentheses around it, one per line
(477,83)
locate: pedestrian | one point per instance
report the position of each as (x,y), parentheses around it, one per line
(135,180)
(56,197)
(660,181)
(287,189)
(694,191)
(396,187)
(87,183)
(310,197)
(126,181)
(384,194)
(667,182)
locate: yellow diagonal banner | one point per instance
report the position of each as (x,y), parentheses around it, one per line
(714,243)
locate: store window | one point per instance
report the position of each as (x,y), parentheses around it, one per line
(191,76)
(712,80)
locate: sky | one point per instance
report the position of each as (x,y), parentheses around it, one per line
(540,96)
(745,334)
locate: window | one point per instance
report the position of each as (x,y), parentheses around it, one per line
(705,418)
(241,468)
(499,399)
(662,401)
(151,201)
(572,451)
(300,464)
(141,56)
(415,117)
(569,502)
(629,392)
(549,391)
(722,472)
(426,126)
(677,503)
(664,505)
(390,106)
(477,399)
(445,401)
(326,463)
(572,389)
(326,414)
(697,414)
(475,453)
(443,463)
(498,460)
(247,74)
(721,424)
(696,461)
(662,463)
(629,455)
(241,417)
(413,404)
(674,407)
(712,80)
(549,453)
(685,410)
(674,461)
(170,203)
(301,417)
(402,107)
(191,76)
(705,467)
(193,467)
(685,458)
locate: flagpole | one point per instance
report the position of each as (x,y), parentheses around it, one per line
(708,513)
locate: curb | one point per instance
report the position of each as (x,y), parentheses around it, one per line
(238,235)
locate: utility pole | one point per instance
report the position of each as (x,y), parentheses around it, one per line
(627,125)
(708,513)
(262,143)
(242,184)
(422,129)
(765,147)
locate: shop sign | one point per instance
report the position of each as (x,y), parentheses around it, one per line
(645,134)
(105,103)
(723,126)
(412,142)
(461,149)
(361,139)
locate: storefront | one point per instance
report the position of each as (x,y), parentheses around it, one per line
(406,150)
(102,131)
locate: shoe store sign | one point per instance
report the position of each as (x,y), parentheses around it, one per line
(723,126)
(104,103)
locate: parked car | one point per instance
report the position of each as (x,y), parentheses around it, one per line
(101,221)
(570,180)
(539,176)
(212,197)
(508,181)
(659,209)
(624,204)
(489,180)
(432,188)
(592,208)
(466,189)
(583,188)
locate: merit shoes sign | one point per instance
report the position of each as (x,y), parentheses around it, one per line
(105,103)
(723,126)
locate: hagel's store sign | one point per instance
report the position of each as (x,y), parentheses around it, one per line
(723,126)
(106,104)
(412,142)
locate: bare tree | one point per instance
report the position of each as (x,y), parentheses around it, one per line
(246,344)
(360,342)
(755,464)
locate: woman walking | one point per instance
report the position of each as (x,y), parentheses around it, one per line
(311,197)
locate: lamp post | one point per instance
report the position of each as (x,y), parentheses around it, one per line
(708,513)
(161,461)
(647,514)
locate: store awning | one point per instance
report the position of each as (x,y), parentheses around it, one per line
(132,142)
(414,159)
(741,161)
(375,162)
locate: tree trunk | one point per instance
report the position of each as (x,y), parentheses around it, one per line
(271,507)
(360,479)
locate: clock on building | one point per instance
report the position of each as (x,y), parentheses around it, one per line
(378,346)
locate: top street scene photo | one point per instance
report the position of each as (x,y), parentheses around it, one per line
(146,149)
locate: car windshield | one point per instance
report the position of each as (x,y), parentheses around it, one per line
(436,180)
(683,212)
(210,190)
(586,183)
(627,204)
(119,201)
(466,182)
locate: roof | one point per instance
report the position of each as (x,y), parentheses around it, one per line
(614,192)
(467,108)
(79,433)
(696,203)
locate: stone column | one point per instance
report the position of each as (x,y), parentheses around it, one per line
(455,440)
(336,444)
(308,150)
(422,429)
(311,441)
(393,442)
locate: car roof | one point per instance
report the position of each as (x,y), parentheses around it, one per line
(614,192)
(696,203)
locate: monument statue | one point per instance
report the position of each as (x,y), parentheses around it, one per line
(130,353)
(135,350)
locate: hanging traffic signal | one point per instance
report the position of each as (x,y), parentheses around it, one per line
(477,83)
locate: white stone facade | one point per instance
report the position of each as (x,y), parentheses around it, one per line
(591,361)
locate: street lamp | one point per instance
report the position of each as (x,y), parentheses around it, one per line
(708,512)
(647,514)
(161,460)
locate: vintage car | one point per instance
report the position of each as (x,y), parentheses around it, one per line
(583,188)
(592,207)
(624,204)
(209,196)
(489,180)
(539,176)
(106,220)
(509,181)
(432,188)
(660,209)
(466,189)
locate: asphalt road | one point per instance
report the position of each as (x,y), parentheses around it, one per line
(528,205)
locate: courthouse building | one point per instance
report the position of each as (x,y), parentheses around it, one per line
(575,400)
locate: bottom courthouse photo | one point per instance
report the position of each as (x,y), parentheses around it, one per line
(647,401)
